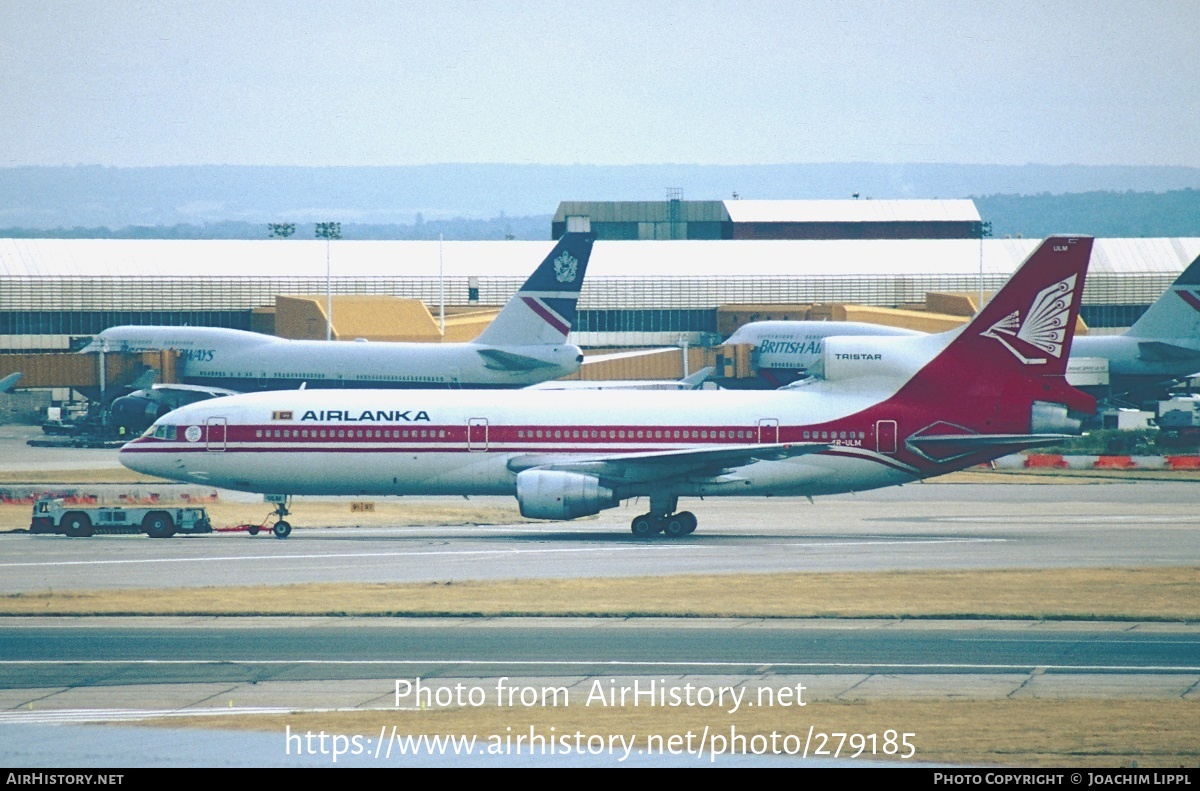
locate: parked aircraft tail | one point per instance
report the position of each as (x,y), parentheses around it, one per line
(543,310)
(1176,314)
(1002,378)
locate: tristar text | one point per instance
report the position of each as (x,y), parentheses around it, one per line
(407,416)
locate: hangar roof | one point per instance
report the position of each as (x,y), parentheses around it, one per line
(826,211)
(241,259)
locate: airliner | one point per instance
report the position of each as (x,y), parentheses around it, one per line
(523,345)
(1161,348)
(937,403)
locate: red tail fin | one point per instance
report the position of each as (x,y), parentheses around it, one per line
(1014,352)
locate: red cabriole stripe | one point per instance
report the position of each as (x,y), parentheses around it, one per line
(1189,298)
(508,435)
(546,315)
(871,456)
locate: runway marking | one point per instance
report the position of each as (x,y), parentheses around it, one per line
(675,547)
(1083,642)
(1123,519)
(616,663)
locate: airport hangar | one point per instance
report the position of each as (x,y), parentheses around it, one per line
(665,273)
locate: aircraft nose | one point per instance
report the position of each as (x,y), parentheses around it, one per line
(136,458)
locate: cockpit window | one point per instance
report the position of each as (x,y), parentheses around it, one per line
(164,431)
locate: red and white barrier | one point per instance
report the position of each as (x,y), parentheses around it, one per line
(1058,461)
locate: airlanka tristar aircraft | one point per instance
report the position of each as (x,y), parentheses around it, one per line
(990,388)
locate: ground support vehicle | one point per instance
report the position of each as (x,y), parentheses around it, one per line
(55,515)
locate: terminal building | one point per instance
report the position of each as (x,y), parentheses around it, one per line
(54,292)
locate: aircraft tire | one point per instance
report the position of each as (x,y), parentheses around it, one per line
(252,530)
(158,524)
(644,526)
(282,529)
(690,521)
(77,526)
(675,526)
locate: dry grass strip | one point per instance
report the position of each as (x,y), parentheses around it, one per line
(1138,594)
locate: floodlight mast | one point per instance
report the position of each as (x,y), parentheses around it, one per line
(985,230)
(328,231)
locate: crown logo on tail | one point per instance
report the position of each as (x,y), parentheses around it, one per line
(564,268)
(1044,328)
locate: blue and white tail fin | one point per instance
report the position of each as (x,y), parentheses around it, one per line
(1176,314)
(543,311)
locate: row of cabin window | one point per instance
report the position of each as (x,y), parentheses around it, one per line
(350,433)
(634,434)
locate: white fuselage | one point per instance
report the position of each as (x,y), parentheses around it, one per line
(801,347)
(247,361)
(469,443)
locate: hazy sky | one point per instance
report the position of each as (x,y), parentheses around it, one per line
(394,83)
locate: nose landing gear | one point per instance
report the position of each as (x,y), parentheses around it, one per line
(281,529)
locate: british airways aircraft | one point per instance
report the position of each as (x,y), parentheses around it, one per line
(1161,348)
(524,344)
(927,406)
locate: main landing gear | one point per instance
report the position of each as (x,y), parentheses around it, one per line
(662,518)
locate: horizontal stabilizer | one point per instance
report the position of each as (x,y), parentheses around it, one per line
(498,360)
(697,379)
(10,381)
(1160,351)
(944,447)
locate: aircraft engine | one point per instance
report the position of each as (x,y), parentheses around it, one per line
(548,494)
(868,357)
(1047,418)
(136,412)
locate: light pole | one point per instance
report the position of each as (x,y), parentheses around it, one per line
(328,231)
(985,229)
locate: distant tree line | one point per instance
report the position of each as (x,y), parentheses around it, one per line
(535,228)
(1103,214)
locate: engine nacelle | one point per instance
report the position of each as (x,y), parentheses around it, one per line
(848,357)
(548,494)
(136,412)
(1047,418)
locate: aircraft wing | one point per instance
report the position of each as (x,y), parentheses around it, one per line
(193,390)
(498,360)
(693,382)
(604,358)
(1160,351)
(663,465)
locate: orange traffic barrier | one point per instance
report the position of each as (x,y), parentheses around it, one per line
(1183,462)
(1114,462)
(1045,460)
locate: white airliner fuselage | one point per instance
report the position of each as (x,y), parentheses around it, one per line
(452,443)
(249,361)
